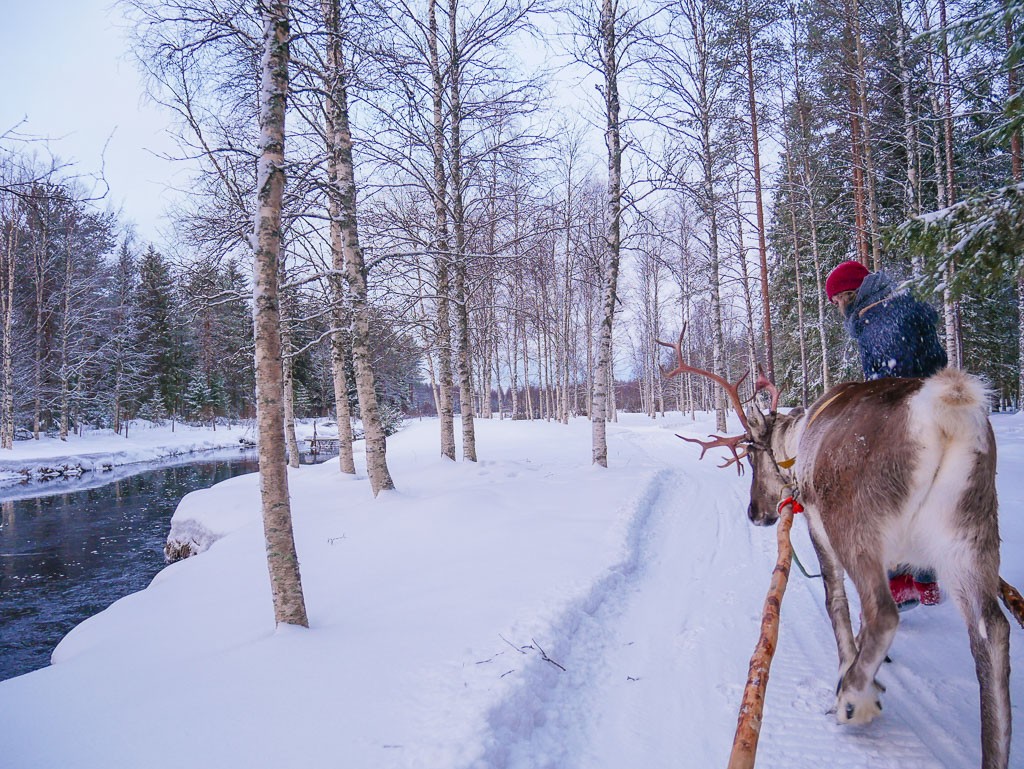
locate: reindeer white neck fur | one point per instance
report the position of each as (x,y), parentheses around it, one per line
(890,471)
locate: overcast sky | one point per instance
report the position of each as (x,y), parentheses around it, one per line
(67,73)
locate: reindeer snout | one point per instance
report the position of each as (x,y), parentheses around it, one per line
(760,516)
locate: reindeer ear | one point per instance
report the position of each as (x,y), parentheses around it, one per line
(759,423)
(755,418)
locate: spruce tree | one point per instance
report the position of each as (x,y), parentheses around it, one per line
(161,333)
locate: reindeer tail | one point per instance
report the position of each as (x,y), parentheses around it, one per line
(959,400)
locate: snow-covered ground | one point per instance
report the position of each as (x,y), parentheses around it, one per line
(526,611)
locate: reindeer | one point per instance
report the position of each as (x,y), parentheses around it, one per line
(888,471)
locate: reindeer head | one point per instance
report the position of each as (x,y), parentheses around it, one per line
(761,443)
(772,469)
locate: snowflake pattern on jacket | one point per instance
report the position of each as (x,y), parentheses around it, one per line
(895,333)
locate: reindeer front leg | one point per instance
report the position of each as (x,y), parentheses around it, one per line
(836,602)
(857,697)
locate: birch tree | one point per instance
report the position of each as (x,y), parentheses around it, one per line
(10,232)
(692,72)
(341,175)
(285,581)
(603,47)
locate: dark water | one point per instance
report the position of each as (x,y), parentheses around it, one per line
(68,555)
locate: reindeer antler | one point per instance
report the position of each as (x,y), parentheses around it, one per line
(731,443)
(763,383)
(733,390)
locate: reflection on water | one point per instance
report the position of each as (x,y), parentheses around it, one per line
(68,555)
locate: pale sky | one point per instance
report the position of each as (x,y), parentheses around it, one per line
(66,70)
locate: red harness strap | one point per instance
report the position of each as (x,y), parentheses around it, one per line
(797,507)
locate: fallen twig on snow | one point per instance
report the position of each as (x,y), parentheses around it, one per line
(510,644)
(748,725)
(544,655)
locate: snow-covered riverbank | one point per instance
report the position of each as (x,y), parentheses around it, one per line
(98,450)
(528,610)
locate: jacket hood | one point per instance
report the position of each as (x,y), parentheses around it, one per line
(876,286)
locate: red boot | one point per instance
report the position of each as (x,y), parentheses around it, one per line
(929,592)
(904,591)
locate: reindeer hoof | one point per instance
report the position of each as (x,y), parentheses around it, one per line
(857,707)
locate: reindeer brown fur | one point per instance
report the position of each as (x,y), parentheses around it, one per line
(892,471)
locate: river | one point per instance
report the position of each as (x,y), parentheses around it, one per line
(68,552)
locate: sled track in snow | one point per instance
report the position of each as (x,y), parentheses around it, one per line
(541,704)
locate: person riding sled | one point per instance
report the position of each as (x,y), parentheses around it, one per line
(896,336)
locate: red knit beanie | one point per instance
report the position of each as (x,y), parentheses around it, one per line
(846,277)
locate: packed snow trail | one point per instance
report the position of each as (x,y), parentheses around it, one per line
(655,665)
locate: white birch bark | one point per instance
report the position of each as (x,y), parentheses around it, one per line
(65,336)
(343,413)
(282,560)
(608,46)
(465,367)
(7,270)
(339,344)
(755,146)
(445,412)
(342,172)
(288,385)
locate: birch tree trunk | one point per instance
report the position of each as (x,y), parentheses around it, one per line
(748,303)
(528,396)
(512,356)
(343,188)
(567,297)
(65,335)
(288,385)
(283,563)
(339,319)
(608,47)
(342,410)
(440,246)
(954,343)
(7,270)
(465,367)
(804,373)
(910,196)
(41,257)
(942,151)
(762,247)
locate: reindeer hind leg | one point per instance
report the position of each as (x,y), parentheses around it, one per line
(857,699)
(989,634)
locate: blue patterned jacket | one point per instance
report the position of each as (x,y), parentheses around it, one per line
(895,332)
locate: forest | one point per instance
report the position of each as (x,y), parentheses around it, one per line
(496,207)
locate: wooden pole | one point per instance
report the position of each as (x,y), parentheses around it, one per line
(748,725)
(1012,600)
